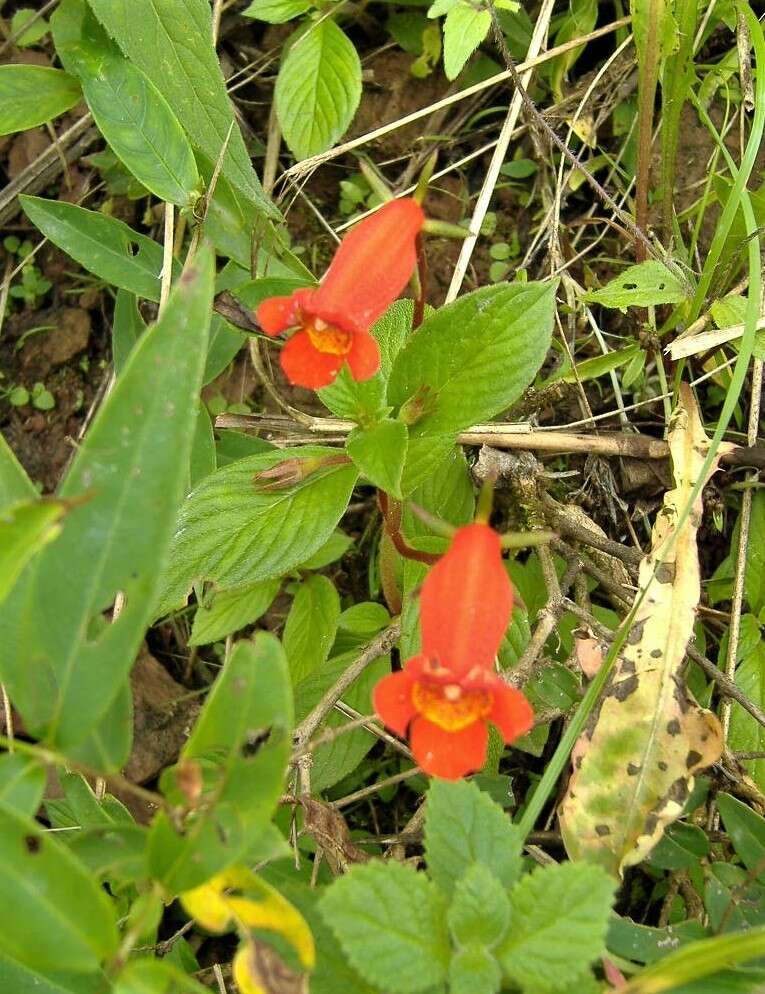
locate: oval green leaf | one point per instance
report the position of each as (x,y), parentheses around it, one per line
(235,532)
(142,129)
(318,89)
(32,95)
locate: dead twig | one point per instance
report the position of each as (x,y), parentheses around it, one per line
(378,647)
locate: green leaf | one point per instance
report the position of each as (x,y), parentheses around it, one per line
(469,361)
(746,830)
(645,944)
(318,88)
(127,328)
(465,27)
(449,494)
(702,959)
(646,283)
(153,976)
(67,665)
(25,529)
(591,369)
(241,745)
(732,900)
(379,453)
(234,533)
(332,974)
(231,610)
(36,31)
(113,851)
(61,918)
(140,126)
(15,485)
(80,808)
(333,549)
(202,458)
(171,42)
(22,783)
(681,847)
(367,618)
(32,95)
(311,626)
(364,401)
(579,20)
(33,980)
(754,580)
(335,760)
(479,912)
(464,826)
(102,245)
(473,970)
(557,926)
(746,734)
(276,11)
(390,921)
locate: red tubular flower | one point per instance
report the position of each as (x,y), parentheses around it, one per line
(446,696)
(370,269)
(466,601)
(447,716)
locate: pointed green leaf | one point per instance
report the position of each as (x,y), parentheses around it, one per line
(15,485)
(276,11)
(380,453)
(139,124)
(469,361)
(642,285)
(171,42)
(231,610)
(127,328)
(465,27)
(318,88)
(746,830)
(335,760)
(240,746)
(67,665)
(234,530)
(154,976)
(311,626)
(61,918)
(25,529)
(102,245)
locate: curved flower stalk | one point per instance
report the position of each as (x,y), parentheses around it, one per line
(370,269)
(446,697)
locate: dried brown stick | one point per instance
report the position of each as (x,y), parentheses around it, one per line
(378,647)
(45,168)
(504,436)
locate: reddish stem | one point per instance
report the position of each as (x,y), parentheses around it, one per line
(422,272)
(391,512)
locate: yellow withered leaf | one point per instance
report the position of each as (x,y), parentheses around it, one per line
(239,897)
(634,765)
